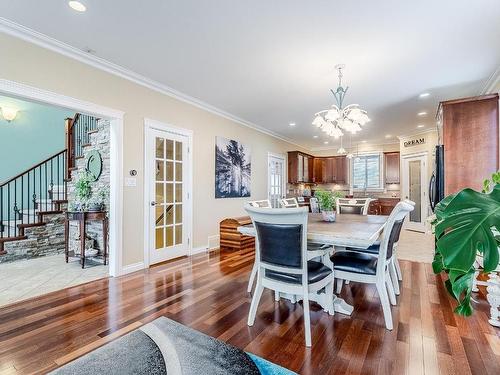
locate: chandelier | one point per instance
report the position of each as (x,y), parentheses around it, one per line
(338,119)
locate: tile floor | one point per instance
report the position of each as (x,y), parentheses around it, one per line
(30,278)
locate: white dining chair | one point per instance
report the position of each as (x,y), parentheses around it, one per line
(282,260)
(353,205)
(289,203)
(313,202)
(375,268)
(264,203)
(312,247)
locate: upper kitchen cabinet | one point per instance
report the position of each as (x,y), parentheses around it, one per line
(319,170)
(300,167)
(336,169)
(391,167)
(470,137)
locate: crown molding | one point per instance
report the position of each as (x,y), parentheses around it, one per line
(19,31)
(328,148)
(492,82)
(417,133)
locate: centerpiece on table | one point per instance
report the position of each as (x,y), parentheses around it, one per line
(327,203)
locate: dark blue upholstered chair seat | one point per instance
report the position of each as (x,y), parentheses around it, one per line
(316,271)
(350,261)
(373,249)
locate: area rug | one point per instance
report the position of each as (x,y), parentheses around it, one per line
(167,347)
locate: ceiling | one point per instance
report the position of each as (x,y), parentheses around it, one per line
(272,62)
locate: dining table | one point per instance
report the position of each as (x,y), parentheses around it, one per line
(348,230)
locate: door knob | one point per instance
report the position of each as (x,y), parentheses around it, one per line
(153,203)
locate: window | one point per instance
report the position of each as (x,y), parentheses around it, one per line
(366,172)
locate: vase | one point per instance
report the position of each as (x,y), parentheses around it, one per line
(329,216)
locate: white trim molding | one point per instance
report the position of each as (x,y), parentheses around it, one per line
(150,124)
(42,40)
(199,250)
(133,268)
(334,148)
(116,156)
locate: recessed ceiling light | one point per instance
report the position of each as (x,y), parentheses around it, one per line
(76,5)
(363,141)
(424,95)
(423,113)
(421,126)
(388,135)
(315,136)
(325,142)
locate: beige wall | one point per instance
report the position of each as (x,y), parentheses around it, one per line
(41,68)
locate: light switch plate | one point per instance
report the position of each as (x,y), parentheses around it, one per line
(130,181)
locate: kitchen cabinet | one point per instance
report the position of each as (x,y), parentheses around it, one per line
(471,144)
(392,167)
(304,168)
(382,206)
(300,167)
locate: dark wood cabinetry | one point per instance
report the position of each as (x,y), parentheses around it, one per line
(382,206)
(470,138)
(333,169)
(300,167)
(391,167)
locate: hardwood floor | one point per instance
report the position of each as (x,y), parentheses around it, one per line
(208,293)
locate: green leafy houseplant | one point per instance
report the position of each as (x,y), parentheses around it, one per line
(327,199)
(465,225)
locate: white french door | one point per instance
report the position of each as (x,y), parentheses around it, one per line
(168,205)
(276,179)
(414,188)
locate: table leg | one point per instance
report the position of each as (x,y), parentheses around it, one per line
(82,242)
(105,239)
(66,239)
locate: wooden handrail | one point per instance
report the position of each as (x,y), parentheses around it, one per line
(31,168)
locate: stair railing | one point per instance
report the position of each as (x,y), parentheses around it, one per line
(78,130)
(24,196)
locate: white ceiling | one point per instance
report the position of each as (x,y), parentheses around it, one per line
(271,62)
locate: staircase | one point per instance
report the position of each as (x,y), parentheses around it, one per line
(28,200)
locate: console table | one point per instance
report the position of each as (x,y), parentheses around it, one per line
(82,217)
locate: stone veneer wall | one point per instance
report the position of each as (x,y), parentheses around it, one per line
(98,141)
(43,240)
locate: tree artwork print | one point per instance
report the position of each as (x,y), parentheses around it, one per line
(232,169)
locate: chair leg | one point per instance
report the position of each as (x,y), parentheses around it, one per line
(347,282)
(329,297)
(339,285)
(398,269)
(252,278)
(276,296)
(394,276)
(390,290)
(386,307)
(307,320)
(255,303)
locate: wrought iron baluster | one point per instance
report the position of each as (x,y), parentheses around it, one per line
(8,209)
(1,212)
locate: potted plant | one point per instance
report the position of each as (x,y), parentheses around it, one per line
(327,203)
(467,224)
(83,191)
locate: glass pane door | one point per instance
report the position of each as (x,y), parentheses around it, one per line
(415,189)
(276,180)
(168,203)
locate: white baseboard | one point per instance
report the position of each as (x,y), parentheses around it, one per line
(132,268)
(197,250)
(213,242)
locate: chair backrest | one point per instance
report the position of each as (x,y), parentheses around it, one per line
(357,206)
(289,203)
(281,241)
(391,232)
(265,203)
(313,201)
